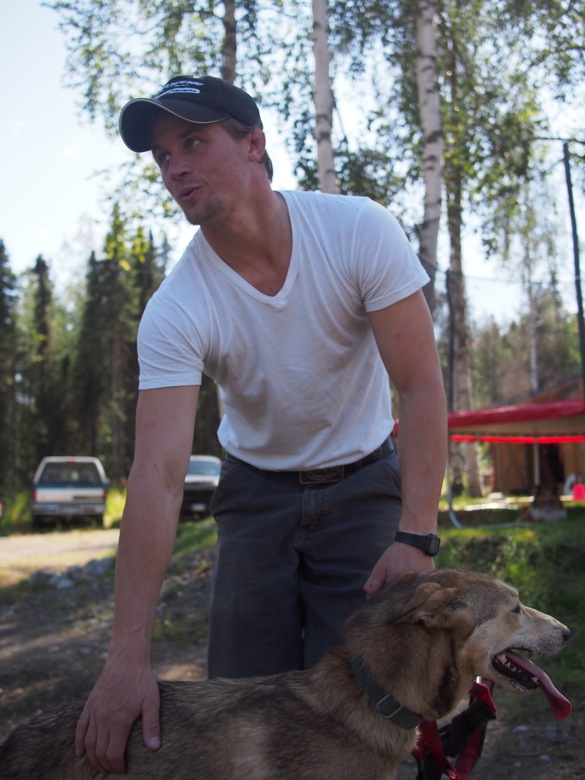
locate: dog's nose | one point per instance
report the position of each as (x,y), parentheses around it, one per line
(566,633)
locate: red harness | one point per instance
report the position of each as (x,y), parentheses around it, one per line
(462,738)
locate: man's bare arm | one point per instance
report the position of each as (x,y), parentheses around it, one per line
(405,337)
(127,687)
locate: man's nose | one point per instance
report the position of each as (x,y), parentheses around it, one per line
(178,166)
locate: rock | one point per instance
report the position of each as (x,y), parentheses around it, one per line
(97,567)
(41,577)
(60,582)
(551,734)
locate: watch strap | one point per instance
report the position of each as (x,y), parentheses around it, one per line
(428,543)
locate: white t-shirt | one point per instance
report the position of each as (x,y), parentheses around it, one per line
(302,381)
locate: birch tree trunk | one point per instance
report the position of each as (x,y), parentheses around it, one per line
(323,98)
(432,131)
(229,52)
(460,380)
(229,45)
(461,390)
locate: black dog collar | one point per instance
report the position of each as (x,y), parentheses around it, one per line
(386,704)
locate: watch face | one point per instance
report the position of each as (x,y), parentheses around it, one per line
(432,544)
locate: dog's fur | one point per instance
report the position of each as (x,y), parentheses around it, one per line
(425,638)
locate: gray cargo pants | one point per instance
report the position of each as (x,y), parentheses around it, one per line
(292,561)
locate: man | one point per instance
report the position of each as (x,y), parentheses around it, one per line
(298,305)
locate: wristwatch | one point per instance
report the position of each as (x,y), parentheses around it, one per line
(429,544)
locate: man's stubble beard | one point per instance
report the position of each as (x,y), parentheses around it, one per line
(207,212)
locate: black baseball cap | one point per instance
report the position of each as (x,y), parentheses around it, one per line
(200,100)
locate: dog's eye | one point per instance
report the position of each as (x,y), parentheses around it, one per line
(516,610)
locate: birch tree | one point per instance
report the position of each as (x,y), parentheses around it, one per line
(118,48)
(432,139)
(323,97)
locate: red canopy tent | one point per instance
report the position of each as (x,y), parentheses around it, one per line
(550,423)
(557,422)
(546,426)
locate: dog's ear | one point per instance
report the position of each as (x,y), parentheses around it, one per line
(436,607)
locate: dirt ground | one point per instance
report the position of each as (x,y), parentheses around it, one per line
(53,642)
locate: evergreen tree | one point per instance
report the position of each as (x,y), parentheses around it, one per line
(42,357)
(8,345)
(90,361)
(503,373)
(147,270)
(118,287)
(119,309)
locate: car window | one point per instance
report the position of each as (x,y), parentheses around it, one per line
(205,467)
(70,473)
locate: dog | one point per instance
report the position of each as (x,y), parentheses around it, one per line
(409,654)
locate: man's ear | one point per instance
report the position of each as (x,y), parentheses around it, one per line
(257,145)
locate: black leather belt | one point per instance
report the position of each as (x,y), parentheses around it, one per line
(337,473)
(328,475)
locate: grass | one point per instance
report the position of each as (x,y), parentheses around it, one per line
(178,620)
(15,512)
(194,537)
(114,507)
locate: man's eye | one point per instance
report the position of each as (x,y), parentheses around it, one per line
(192,142)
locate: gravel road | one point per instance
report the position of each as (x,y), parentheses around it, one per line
(22,554)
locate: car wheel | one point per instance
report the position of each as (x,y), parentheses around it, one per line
(37,522)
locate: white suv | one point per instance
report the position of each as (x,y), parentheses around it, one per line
(67,487)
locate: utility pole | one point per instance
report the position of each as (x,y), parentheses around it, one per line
(576,258)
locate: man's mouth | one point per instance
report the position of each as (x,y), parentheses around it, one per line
(185,194)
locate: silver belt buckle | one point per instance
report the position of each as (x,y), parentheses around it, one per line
(321,476)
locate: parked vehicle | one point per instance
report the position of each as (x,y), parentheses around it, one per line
(200,482)
(68,487)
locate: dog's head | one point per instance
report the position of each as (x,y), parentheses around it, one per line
(443,629)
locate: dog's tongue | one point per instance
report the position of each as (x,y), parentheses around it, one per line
(560,706)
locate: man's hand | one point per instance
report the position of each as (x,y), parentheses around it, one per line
(396,560)
(121,695)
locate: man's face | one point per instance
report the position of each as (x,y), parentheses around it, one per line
(202,166)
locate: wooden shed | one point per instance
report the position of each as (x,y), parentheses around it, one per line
(537,443)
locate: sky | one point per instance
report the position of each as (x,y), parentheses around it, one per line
(52,202)
(50,156)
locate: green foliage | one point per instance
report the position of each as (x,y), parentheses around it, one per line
(8,345)
(192,537)
(502,354)
(114,506)
(15,511)
(122,48)
(544,561)
(118,288)
(71,381)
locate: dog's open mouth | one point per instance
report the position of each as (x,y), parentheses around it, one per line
(528,676)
